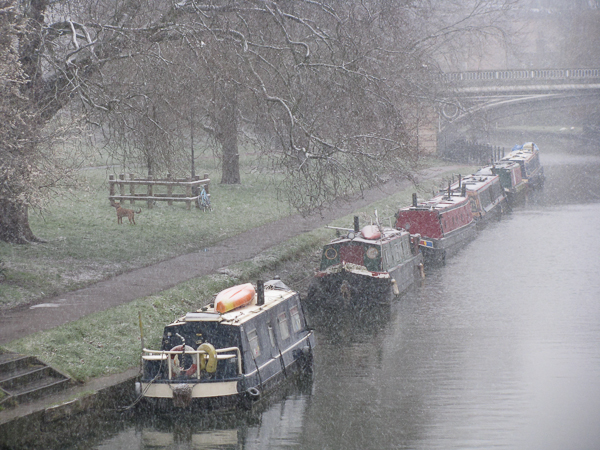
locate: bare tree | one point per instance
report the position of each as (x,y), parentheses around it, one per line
(323,86)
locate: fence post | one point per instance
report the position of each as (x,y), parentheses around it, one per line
(111,187)
(196,190)
(188,193)
(121,185)
(131,189)
(150,202)
(169,189)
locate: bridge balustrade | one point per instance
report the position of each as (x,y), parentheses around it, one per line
(533,74)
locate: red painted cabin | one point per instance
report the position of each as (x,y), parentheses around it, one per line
(444,223)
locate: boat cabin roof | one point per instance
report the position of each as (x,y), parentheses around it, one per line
(522,152)
(488,170)
(275,293)
(439,202)
(387,234)
(508,165)
(475,182)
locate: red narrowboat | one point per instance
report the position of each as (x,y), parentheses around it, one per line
(485,194)
(445,224)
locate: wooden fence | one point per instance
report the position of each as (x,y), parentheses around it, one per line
(191,187)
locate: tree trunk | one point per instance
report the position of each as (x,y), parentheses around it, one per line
(227,135)
(14,223)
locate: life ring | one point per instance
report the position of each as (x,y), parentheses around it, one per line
(208,362)
(253,393)
(178,366)
(331,253)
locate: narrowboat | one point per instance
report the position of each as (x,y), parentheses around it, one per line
(511,180)
(366,266)
(445,224)
(528,157)
(230,352)
(485,193)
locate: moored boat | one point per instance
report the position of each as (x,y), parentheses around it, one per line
(213,359)
(445,224)
(366,266)
(511,179)
(528,157)
(485,193)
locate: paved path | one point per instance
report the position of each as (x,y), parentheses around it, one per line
(64,308)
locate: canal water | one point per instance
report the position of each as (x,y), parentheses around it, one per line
(499,348)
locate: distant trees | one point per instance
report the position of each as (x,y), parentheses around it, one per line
(324,89)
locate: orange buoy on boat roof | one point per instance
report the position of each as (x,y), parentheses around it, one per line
(371,232)
(234,297)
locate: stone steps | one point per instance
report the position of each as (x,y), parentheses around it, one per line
(25,378)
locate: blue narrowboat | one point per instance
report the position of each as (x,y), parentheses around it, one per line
(528,157)
(231,351)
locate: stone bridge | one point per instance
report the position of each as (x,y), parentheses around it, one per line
(467,93)
(472,103)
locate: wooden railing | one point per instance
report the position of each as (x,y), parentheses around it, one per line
(191,187)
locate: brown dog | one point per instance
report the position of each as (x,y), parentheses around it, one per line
(122,212)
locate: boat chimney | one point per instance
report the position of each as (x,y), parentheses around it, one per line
(449,190)
(463,190)
(356,224)
(459,181)
(414,199)
(260,292)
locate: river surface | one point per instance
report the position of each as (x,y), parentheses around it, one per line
(499,348)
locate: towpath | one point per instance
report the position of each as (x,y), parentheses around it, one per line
(24,320)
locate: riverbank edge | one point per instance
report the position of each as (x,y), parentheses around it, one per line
(68,414)
(63,416)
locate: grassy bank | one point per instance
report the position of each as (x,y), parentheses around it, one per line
(84,243)
(109,342)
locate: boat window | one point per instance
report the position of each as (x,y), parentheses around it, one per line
(271,336)
(295,316)
(474,206)
(330,257)
(254,344)
(398,250)
(353,253)
(283,326)
(386,256)
(372,252)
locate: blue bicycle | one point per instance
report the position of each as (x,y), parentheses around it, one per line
(204,200)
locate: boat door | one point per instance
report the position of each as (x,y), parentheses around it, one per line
(275,349)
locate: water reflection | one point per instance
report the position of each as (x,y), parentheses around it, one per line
(277,421)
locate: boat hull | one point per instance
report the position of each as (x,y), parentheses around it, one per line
(236,392)
(435,251)
(348,287)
